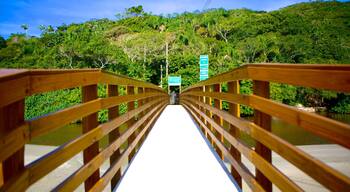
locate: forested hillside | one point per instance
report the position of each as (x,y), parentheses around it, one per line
(137,44)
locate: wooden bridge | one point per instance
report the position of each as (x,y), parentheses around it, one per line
(185,149)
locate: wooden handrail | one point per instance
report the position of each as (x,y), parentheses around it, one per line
(338,78)
(197,100)
(15,132)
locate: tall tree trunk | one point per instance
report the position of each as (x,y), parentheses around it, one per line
(144,62)
(166,59)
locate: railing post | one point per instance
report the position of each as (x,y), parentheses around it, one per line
(218,119)
(139,104)
(113,112)
(12,116)
(209,114)
(147,90)
(201,100)
(262,88)
(131,106)
(90,122)
(233,87)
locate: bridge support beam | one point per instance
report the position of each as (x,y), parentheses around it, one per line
(113,113)
(262,88)
(131,106)
(11,117)
(90,122)
(233,87)
(218,119)
(208,113)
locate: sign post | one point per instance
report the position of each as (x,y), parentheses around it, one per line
(174,81)
(203,67)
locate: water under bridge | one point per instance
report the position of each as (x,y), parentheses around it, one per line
(154,146)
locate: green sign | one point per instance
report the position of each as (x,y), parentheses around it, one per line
(203,67)
(174,80)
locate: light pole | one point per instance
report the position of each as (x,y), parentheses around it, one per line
(161,76)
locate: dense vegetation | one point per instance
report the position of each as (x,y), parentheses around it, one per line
(137,44)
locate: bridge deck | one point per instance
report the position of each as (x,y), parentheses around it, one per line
(175,157)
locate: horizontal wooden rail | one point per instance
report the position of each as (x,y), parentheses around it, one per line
(305,75)
(195,100)
(327,128)
(18,84)
(274,174)
(30,82)
(81,175)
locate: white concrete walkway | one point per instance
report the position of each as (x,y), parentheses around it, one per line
(175,157)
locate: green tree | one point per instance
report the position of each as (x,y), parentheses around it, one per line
(2,42)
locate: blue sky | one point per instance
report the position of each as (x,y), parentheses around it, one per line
(13,13)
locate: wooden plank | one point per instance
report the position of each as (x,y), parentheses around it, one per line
(8,74)
(11,117)
(218,119)
(72,182)
(208,101)
(324,174)
(90,122)
(1,175)
(139,104)
(327,128)
(233,75)
(51,161)
(116,79)
(43,82)
(338,77)
(47,123)
(12,141)
(113,113)
(279,179)
(131,106)
(262,88)
(147,90)
(234,109)
(113,101)
(239,166)
(202,100)
(13,90)
(233,98)
(294,74)
(113,168)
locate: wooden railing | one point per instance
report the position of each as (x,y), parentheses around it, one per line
(15,131)
(204,103)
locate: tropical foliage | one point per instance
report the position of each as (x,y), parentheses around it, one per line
(138,44)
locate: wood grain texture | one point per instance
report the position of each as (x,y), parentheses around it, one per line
(131,106)
(44,165)
(47,123)
(89,123)
(234,109)
(113,112)
(72,182)
(13,140)
(327,128)
(338,76)
(262,88)
(11,117)
(321,172)
(279,179)
(239,166)
(218,119)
